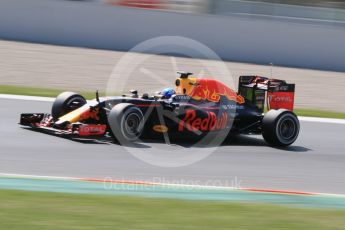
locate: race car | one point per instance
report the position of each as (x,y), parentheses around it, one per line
(197,109)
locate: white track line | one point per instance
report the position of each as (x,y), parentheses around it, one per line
(26,98)
(322,120)
(51,99)
(28,176)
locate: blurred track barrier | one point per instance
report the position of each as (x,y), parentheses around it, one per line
(278,11)
(299,43)
(186,6)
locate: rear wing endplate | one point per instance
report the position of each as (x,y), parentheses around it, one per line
(277,93)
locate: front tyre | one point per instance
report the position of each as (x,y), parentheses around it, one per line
(65,103)
(280,128)
(126,122)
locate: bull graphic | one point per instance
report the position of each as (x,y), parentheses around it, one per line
(207,89)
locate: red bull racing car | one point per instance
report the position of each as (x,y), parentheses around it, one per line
(200,110)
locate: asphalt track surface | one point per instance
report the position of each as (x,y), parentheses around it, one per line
(315,163)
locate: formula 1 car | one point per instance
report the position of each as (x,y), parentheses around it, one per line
(198,108)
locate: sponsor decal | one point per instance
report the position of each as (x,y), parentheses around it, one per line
(284,88)
(281,100)
(182,97)
(211,122)
(232,107)
(160,128)
(88,130)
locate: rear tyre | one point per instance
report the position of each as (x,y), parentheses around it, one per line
(280,128)
(126,122)
(65,103)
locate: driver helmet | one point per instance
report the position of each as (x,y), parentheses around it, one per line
(167,92)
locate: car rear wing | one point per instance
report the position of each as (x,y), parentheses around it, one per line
(276,93)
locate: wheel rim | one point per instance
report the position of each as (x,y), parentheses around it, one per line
(287,129)
(132,126)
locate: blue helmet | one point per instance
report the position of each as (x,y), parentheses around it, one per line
(168,92)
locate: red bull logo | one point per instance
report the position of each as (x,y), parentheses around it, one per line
(192,122)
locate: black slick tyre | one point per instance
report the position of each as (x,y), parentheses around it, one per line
(280,128)
(126,122)
(65,103)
